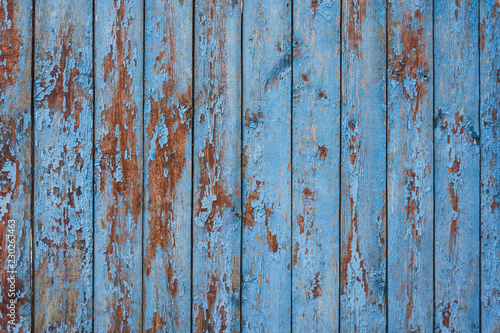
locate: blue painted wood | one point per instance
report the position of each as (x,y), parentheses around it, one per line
(15,165)
(267,52)
(457,166)
(410,166)
(315,167)
(489,65)
(167,169)
(118,168)
(217,160)
(363,167)
(63,96)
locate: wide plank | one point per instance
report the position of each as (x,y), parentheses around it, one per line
(217,161)
(168,163)
(410,166)
(267,130)
(457,165)
(363,302)
(63,228)
(118,58)
(315,166)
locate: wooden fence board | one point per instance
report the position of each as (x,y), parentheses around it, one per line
(267,58)
(315,166)
(118,145)
(489,68)
(410,166)
(63,98)
(217,160)
(363,167)
(456,151)
(15,165)
(168,125)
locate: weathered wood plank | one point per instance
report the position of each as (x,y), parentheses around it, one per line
(217,161)
(267,55)
(316,161)
(118,165)
(168,118)
(363,167)
(456,166)
(490,163)
(410,166)
(15,165)
(63,166)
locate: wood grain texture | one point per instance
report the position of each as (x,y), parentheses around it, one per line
(316,161)
(267,57)
(63,166)
(410,166)
(490,163)
(217,161)
(15,165)
(456,166)
(118,57)
(168,125)
(363,167)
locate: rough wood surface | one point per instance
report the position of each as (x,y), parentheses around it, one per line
(456,150)
(167,170)
(410,167)
(15,165)
(316,161)
(489,21)
(267,58)
(217,161)
(118,165)
(363,300)
(63,98)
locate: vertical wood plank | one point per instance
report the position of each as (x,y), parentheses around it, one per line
(63,165)
(267,166)
(217,160)
(456,166)
(490,166)
(410,166)
(316,129)
(118,165)
(168,122)
(15,165)
(363,167)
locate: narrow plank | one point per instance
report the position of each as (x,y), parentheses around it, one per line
(63,166)
(267,80)
(118,165)
(490,163)
(363,167)
(15,165)
(168,120)
(316,192)
(410,166)
(456,166)
(217,161)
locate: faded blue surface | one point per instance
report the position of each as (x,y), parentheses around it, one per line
(315,166)
(293,165)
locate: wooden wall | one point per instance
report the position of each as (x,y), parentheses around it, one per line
(249,166)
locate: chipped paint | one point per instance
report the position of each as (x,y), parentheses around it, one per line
(457,165)
(267,58)
(15,161)
(217,161)
(315,166)
(410,165)
(118,166)
(490,163)
(63,166)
